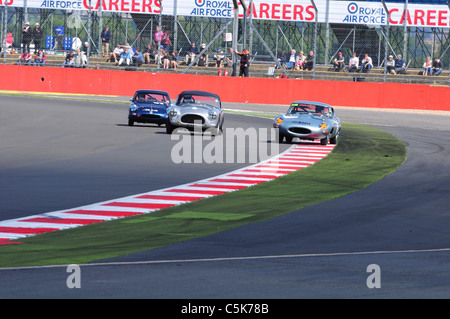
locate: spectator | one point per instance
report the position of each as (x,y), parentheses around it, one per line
(229,62)
(427,66)
(166,60)
(138,58)
(148,54)
(292,60)
(125,57)
(25,58)
(282,59)
(115,55)
(106,37)
(353,63)
(174,60)
(400,66)
(26,37)
(203,60)
(309,62)
(436,67)
(40,58)
(81,56)
(366,64)
(160,55)
(301,61)
(8,41)
(191,53)
(245,62)
(165,41)
(158,37)
(219,58)
(37,37)
(339,62)
(390,65)
(70,60)
(129,48)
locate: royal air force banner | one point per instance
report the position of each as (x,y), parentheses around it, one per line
(347,12)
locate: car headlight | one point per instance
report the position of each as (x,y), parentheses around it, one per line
(173,112)
(212,115)
(133,107)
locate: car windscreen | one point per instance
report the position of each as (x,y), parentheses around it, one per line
(150,97)
(198,99)
(298,109)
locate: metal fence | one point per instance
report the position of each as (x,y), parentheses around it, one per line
(265,39)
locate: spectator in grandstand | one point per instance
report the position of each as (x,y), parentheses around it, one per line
(37,37)
(293,58)
(339,62)
(366,64)
(165,41)
(115,55)
(106,37)
(192,52)
(25,58)
(218,58)
(26,37)
(148,54)
(174,60)
(353,63)
(125,57)
(40,58)
(282,59)
(427,65)
(137,58)
(245,62)
(158,37)
(129,48)
(229,62)
(203,60)
(70,60)
(400,65)
(309,62)
(301,61)
(390,65)
(436,67)
(159,55)
(166,60)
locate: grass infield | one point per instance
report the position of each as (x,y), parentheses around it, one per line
(362,156)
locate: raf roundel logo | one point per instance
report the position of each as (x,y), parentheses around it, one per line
(352,7)
(200,3)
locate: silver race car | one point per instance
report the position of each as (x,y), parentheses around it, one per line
(196,109)
(308,121)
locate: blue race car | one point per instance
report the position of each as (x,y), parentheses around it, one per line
(149,106)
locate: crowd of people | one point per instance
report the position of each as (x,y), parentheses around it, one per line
(159,52)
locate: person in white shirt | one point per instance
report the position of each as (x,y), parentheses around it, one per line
(353,63)
(366,64)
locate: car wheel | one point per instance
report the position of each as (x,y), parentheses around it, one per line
(324,141)
(289,139)
(130,122)
(333,140)
(280,138)
(169,128)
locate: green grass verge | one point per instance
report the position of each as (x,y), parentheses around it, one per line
(363,156)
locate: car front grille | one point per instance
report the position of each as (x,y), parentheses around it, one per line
(192,119)
(300,130)
(150,116)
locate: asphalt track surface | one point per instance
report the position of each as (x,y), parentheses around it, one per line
(62,154)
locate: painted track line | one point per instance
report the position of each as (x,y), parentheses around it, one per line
(295,158)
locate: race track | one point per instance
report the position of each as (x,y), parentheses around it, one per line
(83,152)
